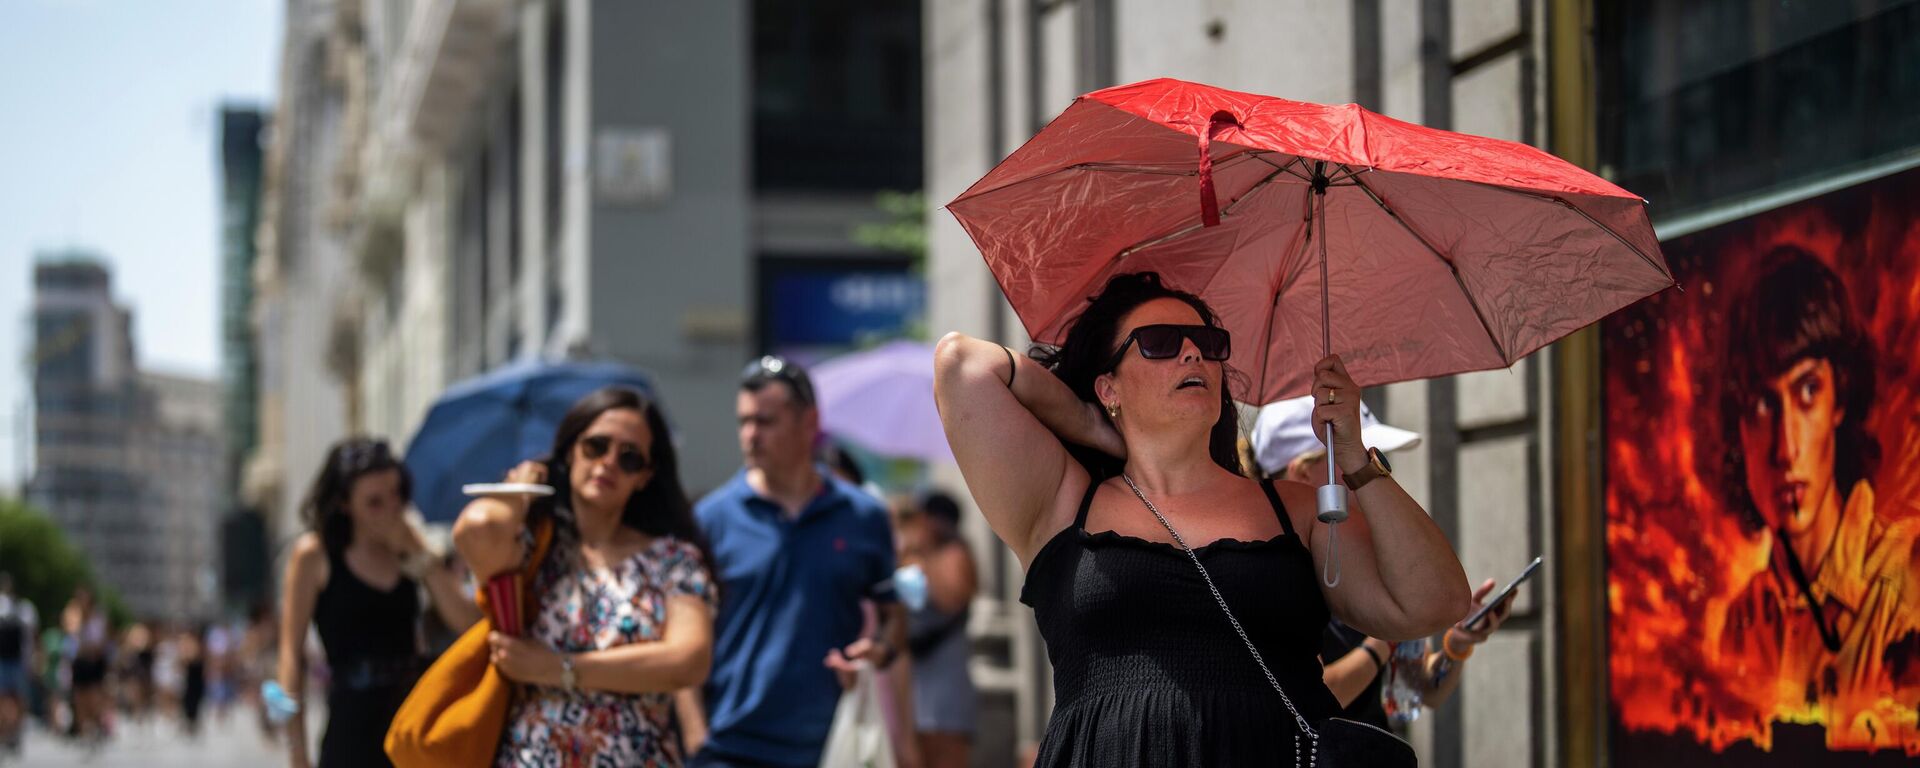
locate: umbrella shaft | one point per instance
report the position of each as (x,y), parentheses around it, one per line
(1326,312)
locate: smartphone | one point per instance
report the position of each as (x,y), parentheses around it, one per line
(1488,606)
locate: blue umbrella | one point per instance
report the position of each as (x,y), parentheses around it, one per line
(481,427)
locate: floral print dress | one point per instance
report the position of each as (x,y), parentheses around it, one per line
(582,611)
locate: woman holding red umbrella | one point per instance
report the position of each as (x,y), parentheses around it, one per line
(1103,461)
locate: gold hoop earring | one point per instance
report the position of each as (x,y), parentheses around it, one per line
(1113,411)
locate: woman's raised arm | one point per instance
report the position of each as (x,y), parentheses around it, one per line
(1005,417)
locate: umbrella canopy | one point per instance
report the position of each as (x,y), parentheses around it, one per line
(481,427)
(882,399)
(1413,252)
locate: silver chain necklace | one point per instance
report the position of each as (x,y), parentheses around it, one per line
(1313,737)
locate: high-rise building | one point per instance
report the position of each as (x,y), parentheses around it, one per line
(84,398)
(176,450)
(242,159)
(242,129)
(126,463)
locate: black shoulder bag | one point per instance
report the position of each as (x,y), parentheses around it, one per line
(1335,742)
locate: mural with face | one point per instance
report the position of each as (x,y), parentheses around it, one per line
(1763,577)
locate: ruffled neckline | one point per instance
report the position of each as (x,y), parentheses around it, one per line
(1115,538)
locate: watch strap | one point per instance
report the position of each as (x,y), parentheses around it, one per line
(1372,471)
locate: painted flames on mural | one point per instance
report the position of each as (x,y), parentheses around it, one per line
(1686,656)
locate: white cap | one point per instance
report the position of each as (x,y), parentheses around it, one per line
(1284,430)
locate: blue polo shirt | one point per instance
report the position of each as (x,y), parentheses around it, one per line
(790,591)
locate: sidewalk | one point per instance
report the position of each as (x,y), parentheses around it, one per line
(158,743)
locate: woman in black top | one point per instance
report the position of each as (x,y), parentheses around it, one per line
(1147,671)
(354,575)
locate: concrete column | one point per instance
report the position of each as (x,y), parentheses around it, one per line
(669,287)
(534,99)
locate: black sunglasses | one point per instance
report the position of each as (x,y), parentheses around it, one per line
(773,367)
(629,460)
(1159,342)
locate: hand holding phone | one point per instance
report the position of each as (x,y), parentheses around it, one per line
(1473,621)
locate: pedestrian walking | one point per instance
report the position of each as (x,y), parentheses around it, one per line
(134,669)
(88,652)
(355,576)
(945,702)
(257,662)
(19,624)
(798,551)
(193,681)
(624,597)
(1111,470)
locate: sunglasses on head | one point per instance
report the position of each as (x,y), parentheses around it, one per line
(772,367)
(358,455)
(1159,342)
(629,460)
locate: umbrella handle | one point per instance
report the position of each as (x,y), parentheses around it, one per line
(1333,511)
(1333,495)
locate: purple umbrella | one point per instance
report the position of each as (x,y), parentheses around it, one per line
(882,399)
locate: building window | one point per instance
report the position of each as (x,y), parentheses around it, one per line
(836,95)
(1705,101)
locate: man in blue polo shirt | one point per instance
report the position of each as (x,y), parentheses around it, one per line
(797,550)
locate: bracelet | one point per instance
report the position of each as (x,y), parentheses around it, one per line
(1446,647)
(569,678)
(1012,367)
(1378,664)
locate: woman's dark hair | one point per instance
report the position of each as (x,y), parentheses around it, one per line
(324,511)
(1796,309)
(1091,342)
(841,460)
(661,507)
(937,504)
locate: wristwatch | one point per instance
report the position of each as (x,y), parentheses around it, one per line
(568,679)
(1376,467)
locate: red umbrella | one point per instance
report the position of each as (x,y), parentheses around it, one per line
(1413,252)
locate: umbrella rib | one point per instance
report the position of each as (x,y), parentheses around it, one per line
(1349,175)
(1478,313)
(1266,350)
(1563,202)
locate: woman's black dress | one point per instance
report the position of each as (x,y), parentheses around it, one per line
(372,642)
(1146,669)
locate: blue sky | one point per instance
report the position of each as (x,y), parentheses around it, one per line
(110,143)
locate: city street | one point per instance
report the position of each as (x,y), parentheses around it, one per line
(158,743)
(756,345)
